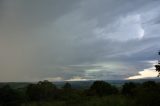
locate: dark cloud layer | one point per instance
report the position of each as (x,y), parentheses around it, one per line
(77,39)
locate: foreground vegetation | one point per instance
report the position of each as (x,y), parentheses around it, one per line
(100,93)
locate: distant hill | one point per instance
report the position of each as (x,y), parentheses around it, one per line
(79,84)
(86,84)
(15,85)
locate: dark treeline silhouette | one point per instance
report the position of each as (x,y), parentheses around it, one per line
(101,88)
(157,66)
(100,93)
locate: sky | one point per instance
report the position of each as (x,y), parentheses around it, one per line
(74,40)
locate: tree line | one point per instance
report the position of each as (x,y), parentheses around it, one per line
(139,94)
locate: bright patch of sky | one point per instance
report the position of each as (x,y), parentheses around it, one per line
(146,73)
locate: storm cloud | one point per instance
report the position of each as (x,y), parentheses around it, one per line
(77,39)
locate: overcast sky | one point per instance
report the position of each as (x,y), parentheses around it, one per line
(78,39)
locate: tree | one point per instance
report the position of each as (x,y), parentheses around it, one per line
(128,88)
(102,88)
(148,94)
(9,96)
(67,86)
(149,84)
(41,91)
(158,66)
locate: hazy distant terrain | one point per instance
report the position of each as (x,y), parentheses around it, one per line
(78,84)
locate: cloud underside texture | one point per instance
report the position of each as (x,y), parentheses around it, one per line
(71,39)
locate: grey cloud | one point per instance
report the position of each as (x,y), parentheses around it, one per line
(36,12)
(65,38)
(106,11)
